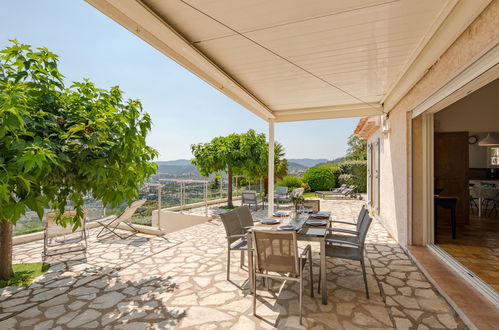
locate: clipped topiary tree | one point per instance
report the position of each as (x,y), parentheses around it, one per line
(235,154)
(319,178)
(60,144)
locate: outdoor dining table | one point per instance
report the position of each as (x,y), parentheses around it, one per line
(305,232)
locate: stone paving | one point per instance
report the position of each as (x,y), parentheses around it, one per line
(151,283)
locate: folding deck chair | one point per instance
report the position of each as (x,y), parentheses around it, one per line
(57,235)
(112,224)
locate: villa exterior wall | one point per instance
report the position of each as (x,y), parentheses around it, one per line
(395,151)
(393,177)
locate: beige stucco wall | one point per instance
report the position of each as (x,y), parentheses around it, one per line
(393,171)
(395,147)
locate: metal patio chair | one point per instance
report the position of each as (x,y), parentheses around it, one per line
(350,247)
(56,235)
(363,212)
(250,197)
(245,217)
(235,235)
(281,194)
(112,224)
(276,254)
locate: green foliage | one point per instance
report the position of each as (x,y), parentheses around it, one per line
(354,173)
(290,181)
(240,152)
(59,144)
(319,178)
(260,170)
(335,170)
(357,148)
(306,187)
(24,274)
(215,184)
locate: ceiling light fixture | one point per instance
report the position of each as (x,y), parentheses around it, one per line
(488,141)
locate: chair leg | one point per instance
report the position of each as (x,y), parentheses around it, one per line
(242,259)
(319,284)
(364,275)
(311,275)
(228,262)
(254,291)
(301,295)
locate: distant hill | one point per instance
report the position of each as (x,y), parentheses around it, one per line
(181,168)
(334,161)
(295,168)
(308,162)
(182,162)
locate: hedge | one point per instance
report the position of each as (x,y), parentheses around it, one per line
(290,181)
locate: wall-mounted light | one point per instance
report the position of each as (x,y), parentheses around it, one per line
(488,141)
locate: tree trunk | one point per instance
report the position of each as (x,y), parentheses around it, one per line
(229,189)
(5,250)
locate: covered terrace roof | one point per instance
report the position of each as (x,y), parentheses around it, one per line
(290,60)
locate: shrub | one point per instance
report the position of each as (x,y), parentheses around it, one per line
(354,172)
(319,178)
(306,187)
(290,181)
(335,169)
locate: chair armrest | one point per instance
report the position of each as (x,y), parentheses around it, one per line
(345,222)
(236,236)
(341,230)
(328,240)
(306,250)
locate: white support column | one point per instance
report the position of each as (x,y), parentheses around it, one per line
(270,197)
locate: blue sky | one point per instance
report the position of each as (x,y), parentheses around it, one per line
(184,109)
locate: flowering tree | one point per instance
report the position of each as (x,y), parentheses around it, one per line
(59,144)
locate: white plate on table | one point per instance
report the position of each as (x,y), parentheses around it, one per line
(281,214)
(316,222)
(269,221)
(287,228)
(320,215)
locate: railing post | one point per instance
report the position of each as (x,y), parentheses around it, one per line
(159,205)
(221,187)
(206,198)
(181,196)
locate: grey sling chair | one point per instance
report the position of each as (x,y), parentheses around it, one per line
(281,195)
(236,237)
(276,253)
(361,215)
(250,197)
(57,235)
(112,224)
(350,247)
(245,217)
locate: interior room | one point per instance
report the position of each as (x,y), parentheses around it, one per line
(466,182)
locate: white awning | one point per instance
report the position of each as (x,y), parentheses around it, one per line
(290,60)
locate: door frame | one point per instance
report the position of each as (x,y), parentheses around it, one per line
(482,70)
